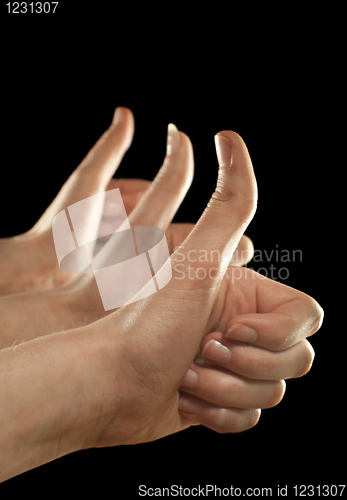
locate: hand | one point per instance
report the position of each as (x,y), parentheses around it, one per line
(266,324)
(28,261)
(117,381)
(76,301)
(275,317)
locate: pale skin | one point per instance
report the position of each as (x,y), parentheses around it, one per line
(123,378)
(28,262)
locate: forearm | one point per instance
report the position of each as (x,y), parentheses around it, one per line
(49,399)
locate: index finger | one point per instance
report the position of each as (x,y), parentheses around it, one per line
(284,316)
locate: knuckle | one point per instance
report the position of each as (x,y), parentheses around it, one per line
(220,196)
(316,315)
(249,419)
(275,393)
(307,358)
(254,417)
(235,420)
(244,208)
(306,322)
(311,316)
(279,342)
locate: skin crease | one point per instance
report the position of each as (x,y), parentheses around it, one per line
(99,389)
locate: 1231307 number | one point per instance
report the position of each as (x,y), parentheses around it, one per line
(32,7)
(334,490)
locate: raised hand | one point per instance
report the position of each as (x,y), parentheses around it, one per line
(117,381)
(76,301)
(167,328)
(28,262)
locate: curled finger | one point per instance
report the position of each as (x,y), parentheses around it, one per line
(216,418)
(255,362)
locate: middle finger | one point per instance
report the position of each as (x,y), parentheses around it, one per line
(256,362)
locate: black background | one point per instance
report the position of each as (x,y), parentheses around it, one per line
(58,93)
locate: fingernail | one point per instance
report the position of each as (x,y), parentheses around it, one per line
(190,379)
(188,405)
(215,351)
(117,115)
(242,332)
(223,149)
(173,139)
(200,360)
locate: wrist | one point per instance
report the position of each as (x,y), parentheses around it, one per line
(58,396)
